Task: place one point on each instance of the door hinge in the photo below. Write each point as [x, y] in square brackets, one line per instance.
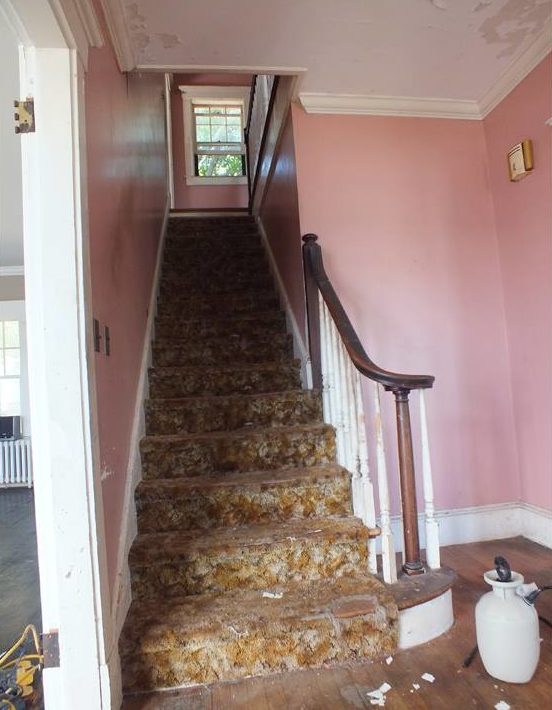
[24, 116]
[50, 649]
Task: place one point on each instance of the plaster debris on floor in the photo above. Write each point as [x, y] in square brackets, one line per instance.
[427, 676]
[273, 595]
[501, 705]
[416, 686]
[377, 697]
[389, 660]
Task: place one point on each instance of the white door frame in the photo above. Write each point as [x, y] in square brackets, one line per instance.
[54, 38]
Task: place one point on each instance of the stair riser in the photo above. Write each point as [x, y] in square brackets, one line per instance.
[187, 384]
[227, 506]
[180, 268]
[276, 647]
[232, 305]
[261, 566]
[239, 352]
[196, 283]
[265, 451]
[204, 415]
[232, 327]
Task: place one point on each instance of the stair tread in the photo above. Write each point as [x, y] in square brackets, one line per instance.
[232, 367]
[243, 433]
[280, 394]
[159, 623]
[262, 316]
[257, 478]
[157, 547]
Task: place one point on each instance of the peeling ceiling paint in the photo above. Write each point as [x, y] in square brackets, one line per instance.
[453, 49]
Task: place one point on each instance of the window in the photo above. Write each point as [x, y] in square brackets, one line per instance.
[10, 368]
[213, 134]
[218, 137]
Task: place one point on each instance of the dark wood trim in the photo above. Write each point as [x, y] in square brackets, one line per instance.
[412, 562]
[246, 133]
[314, 267]
[266, 126]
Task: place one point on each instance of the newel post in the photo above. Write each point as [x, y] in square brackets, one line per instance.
[313, 312]
[412, 562]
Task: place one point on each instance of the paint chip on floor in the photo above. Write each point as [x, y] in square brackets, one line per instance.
[273, 595]
[502, 706]
[416, 686]
[427, 676]
[389, 660]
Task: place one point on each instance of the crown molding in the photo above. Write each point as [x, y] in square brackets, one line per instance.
[517, 70]
[90, 23]
[371, 105]
[12, 271]
[118, 32]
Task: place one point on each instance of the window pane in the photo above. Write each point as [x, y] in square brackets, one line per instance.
[234, 120]
[218, 120]
[2, 373]
[218, 110]
[201, 109]
[234, 110]
[234, 133]
[220, 166]
[203, 134]
[9, 397]
[11, 334]
[1, 334]
[11, 361]
[202, 120]
[218, 133]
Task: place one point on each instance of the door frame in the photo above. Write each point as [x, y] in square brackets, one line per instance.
[54, 38]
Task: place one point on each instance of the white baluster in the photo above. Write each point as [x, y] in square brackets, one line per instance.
[389, 562]
[353, 463]
[336, 393]
[433, 553]
[324, 362]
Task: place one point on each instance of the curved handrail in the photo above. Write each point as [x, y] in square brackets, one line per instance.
[314, 268]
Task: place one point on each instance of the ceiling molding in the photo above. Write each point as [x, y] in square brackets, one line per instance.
[371, 105]
[517, 70]
[90, 22]
[220, 69]
[118, 32]
[12, 271]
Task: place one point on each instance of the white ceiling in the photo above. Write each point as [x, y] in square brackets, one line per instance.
[446, 49]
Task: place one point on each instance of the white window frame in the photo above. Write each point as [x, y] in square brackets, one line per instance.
[15, 311]
[208, 94]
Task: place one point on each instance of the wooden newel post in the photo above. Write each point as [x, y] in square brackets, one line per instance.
[412, 562]
[313, 313]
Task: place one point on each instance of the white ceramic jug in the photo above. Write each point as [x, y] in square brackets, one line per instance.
[507, 631]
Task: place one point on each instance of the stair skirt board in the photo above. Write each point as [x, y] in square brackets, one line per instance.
[247, 559]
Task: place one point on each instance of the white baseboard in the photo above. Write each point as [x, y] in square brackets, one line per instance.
[459, 526]
[299, 348]
[122, 596]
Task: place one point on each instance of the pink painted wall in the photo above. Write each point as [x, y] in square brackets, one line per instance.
[403, 210]
[127, 196]
[198, 196]
[280, 217]
[523, 214]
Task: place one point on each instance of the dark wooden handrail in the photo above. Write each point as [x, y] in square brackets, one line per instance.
[316, 280]
[314, 269]
[247, 127]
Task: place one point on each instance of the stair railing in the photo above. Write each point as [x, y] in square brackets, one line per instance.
[261, 101]
[337, 360]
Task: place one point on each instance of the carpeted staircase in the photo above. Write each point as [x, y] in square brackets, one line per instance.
[248, 559]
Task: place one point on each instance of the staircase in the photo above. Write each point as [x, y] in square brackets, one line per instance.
[248, 559]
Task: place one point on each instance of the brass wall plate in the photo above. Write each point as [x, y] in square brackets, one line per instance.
[24, 116]
[520, 160]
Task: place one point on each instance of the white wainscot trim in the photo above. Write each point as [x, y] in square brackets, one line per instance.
[299, 348]
[459, 526]
[122, 592]
[424, 622]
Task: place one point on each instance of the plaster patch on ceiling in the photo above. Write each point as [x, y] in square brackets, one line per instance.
[514, 23]
[137, 27]
[439, 4]
[168, 41]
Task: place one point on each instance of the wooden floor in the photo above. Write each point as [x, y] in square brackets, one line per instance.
[454, 688]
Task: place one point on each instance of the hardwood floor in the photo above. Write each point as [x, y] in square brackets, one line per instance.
[454, 688]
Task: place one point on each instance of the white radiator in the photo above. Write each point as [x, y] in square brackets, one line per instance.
[16, 466]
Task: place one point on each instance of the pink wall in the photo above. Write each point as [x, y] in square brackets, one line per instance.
[280, 217]
[127, 195]
[403, 210]
[198, 196]
[523, 214]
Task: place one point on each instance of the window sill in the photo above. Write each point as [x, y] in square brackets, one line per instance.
[216, 181]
